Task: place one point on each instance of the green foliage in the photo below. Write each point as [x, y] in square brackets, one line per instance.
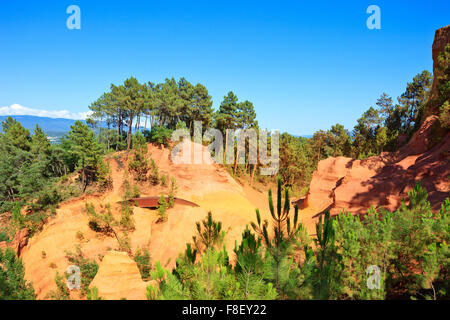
[124, 242]
[101, 221]
[104, 178]
[18, 135]
[160, 135]
[443, 87]
[130, 190]
[250, 264]
[162, 207]
[172, 192]
[409, 246]
[29, 165]
[296, 161]
[83, 151]
[62, 291]
[139, 163]
[92, 294]
[163, 180]
[142, 258]
[104, 222]
[378, 129]
[362, 243]
[421, 247]
[209, 234]
[12, 283]
[126, 217]
[47, 198]
[413, 100]
[279, 247]
[328, 260]
[88, 268]
[154, 177]
[444, 114]
[4, 236]
[17, 218]
[181, 125]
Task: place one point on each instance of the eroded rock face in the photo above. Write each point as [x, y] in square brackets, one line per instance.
[208, 185]
[118, 277]
[441, 38]
[19, 242]
[383, 181]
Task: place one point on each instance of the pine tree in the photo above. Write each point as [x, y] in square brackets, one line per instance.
[84, 150]
[285, 233]
[13, 286]
[139, 163]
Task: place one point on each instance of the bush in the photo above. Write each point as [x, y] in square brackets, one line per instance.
[126, 219]
[130, 191]
[88, 268]
[172, 192]
[49, 197]
[142, 259]
[104, 178]
[92, 294]
[139, 163]
[162, 208]
[4, 237]
[160, 135]
[62, 291]
[163, 181]
[154, 177]
[12, 283]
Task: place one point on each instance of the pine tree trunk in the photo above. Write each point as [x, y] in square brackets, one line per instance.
[253, 174]
[130, 125]
[235, 161]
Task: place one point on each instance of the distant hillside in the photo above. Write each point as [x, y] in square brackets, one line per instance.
[55, 128]
[47, 124]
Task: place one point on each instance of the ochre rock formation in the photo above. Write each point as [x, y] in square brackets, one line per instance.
[208, 185]
[384, 180]
[441, 38]
[118, 277]
[18, 243]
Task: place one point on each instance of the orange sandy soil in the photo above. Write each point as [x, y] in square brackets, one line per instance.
[208, 185]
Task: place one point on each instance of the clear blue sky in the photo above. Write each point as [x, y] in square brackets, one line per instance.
[304, 64]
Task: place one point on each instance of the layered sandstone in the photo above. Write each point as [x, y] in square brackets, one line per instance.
[383, 181]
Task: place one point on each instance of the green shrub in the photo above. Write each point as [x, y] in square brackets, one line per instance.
[154, 177]
[162, 208]
[172, 192]
[142, 258]
[139, 163]
[158, 134]
[126, 219]
[13, 286]
[62, 291]
[92, 294]
[163, 181]
[104, 178]
[4, 237]
[88, 268]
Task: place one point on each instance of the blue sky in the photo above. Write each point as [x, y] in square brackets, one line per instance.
[304, 64]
